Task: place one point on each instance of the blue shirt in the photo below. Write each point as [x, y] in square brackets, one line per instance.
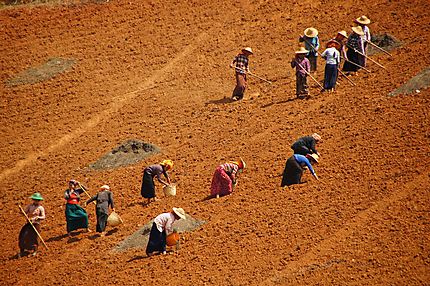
[312, 44]
[302, 159]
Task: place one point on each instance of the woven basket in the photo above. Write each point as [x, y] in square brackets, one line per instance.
[114, 219]
[170, 190]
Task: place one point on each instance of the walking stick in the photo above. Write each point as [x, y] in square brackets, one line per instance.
[360, 53]
[38, 234]
[379, 48]
[308, 74]
[356, 65]
[310, 44]
[85, 191]
[268, 81]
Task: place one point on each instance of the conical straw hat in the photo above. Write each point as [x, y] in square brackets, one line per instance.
[311, 32]
[302, 50]
[358, 30]
[248, 49]
[363, 20]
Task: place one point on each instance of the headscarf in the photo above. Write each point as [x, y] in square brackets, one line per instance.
[167, 163]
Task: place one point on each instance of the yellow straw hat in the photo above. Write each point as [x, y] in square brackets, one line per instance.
[248, 49]
[362, 20]
[315, 157]
[343, 33]
[302, 50]
[180, 212]
[358, 30]
[167, 163]
[311, 32]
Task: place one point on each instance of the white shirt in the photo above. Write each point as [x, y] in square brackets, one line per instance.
[165, 222]
[366, 36]
[332, 56]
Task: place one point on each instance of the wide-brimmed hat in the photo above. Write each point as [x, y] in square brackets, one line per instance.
[302, 50]
[314, 157]
[37, 197]
[333, 42]
[316, 136]
[343, 33]
[311, 32]
[362, 20]
[180, 212]
[105, 187]
[167, 163]
[358, 30]
[248, 49]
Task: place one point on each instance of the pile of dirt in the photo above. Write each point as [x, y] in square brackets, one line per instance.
[139, 239]
[385, 41]
[47, 70]
[128, 153]
[415, 84]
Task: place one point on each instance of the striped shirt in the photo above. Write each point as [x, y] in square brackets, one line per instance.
[230, 168]
[242, 62]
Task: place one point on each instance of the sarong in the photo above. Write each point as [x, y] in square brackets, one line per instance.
[76, 217]
[352, 57]
[221, 183]
[157, 240]
[292, 173]
[148, 188]
[330, 76]
[28, 239]
[240, 88]
[301, 85]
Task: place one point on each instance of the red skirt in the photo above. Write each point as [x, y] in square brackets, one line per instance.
[221, 183]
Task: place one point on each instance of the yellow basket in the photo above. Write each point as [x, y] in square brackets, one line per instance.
[170, 190]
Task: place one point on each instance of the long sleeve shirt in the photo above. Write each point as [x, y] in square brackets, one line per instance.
[312, 45]
[366, 36]
[164, 222]
[242, 63]
[303, 160]
[308, 142]
[104, 199]
[302, 66]
[332, 56]
[355, 42]
[156, 171]
[35, 213]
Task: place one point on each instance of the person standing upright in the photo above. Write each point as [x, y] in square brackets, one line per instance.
[355, 49]
[302, 65]
[363, 21]
[241, 65]
[312, 44]
[76, 216]
[332, 57]
[103, 199]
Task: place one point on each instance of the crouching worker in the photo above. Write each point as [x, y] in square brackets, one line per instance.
[306, 145]
[28, 239]
[225, 178]
[295, 167]
[161, 227]
[103, 199]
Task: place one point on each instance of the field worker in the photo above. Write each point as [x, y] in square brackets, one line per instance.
[225, 178]
[76, 216]
[355, 46]
[28, 239]
[363, 21]
[241, 65]
[306, 145]
[148, 187]
[103, 199]
[302, 65]
[312, 44]
[161, 228]
[332, 57]
[342, 38]
[295, 167]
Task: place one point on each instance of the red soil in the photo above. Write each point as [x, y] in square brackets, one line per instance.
[158, 71]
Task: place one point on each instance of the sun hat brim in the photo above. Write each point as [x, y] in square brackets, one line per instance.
[180, 213]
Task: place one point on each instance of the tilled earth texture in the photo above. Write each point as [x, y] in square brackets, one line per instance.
[78, 79]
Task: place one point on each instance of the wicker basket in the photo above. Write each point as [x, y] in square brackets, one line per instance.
[170, 190]
[114, 219]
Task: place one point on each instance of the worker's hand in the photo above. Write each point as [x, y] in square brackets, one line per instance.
[33, 219]
[231, 65]
[316, 177]
[113, 210]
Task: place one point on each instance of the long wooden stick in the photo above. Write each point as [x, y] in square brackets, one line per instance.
[263, 79]
[309, 74]
[85, 191]
[379, 48]
[360, 53]
[38, 234]
[338, 69]
[357, 65]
